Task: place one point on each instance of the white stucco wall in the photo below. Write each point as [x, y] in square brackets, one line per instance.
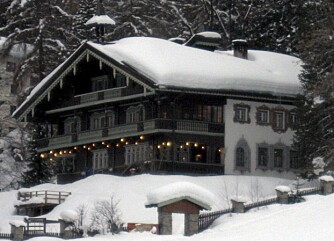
[253, 134]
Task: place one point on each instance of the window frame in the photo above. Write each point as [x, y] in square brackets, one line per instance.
[238, 116]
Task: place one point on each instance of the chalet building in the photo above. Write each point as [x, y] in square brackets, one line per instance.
[159, 106]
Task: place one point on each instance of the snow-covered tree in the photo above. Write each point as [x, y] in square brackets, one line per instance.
[86, 10]
[46, 27]
[39, 168]
[315, 133]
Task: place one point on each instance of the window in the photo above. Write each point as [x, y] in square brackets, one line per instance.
[292, 119]
[100, 159]
[102, 119]
[72, 125]
[279, 120]
[217, 114]
[136, 153]
[10, 67]
[294, 164]
[241, 113]
[240, 157]
[120, 80]
[278, 158]
[182, 154]
[263, 156]
[100, 83]
[263, 116]
[135, 114]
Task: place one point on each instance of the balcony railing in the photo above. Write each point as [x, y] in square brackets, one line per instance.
[184, 126]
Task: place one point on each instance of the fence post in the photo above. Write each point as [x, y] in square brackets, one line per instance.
[17, 230]
[66, 230]
[282, 194]
[326, 184]
[238, 206]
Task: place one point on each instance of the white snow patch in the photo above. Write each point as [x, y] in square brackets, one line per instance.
[209, 34]
[326, 178]
[283, 188]
[101, 19]
[69, 215]
[17, 223]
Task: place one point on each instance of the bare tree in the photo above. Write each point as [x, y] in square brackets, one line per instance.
[255, 190]
[106, 215]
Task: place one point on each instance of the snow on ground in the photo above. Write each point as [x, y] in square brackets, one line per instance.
[308, 221]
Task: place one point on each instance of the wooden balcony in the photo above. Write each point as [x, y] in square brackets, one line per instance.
[133, 129]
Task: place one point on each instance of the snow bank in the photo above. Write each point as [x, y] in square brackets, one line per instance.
[180, 190]
[326, 178]
[283, 188]
[33, 200]
[69, 215]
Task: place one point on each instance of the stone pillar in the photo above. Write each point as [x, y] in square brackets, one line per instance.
[326, 187]
[282, 197]
[165, 222]
[190, 224]
[65, 229]
[17, 232]
[238, 206]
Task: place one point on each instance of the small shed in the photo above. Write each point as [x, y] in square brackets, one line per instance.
[181, 197]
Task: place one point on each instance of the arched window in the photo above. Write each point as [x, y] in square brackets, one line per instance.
[240, 157]
[135, 114]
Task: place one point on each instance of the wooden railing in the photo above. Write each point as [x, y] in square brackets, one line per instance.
[149, 125]
[54, 197]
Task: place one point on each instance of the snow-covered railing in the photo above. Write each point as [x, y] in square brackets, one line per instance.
[206, 219]
[260, 203]
[30, 197]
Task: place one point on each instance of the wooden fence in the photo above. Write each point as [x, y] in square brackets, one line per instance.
[6, 236]
[206, 219]
[56, 197]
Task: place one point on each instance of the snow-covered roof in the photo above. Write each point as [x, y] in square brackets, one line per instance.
[99, 20]
[18, 50]
[174, 65]
[169, 65]
[69, 215]
[178, 191]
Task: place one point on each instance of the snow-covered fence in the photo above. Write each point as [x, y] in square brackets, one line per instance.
[260, 203]
[206, 219]
[6, 236]
[48, 196]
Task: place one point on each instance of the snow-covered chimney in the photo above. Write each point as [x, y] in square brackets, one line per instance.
[240, 48]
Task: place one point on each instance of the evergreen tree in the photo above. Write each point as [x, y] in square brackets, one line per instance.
[86, 10]
[39, 169]
[315, 134]
[46, 28]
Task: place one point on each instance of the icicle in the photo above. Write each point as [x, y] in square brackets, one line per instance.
[144, 91]
[25, 118]
[61, 83]
[127, 80]
[33, 112]
[74, 70]
[114, 73]
[49, 96]
[100, 64]
[87, 57]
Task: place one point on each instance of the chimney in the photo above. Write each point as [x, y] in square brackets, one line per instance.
[240, 48]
